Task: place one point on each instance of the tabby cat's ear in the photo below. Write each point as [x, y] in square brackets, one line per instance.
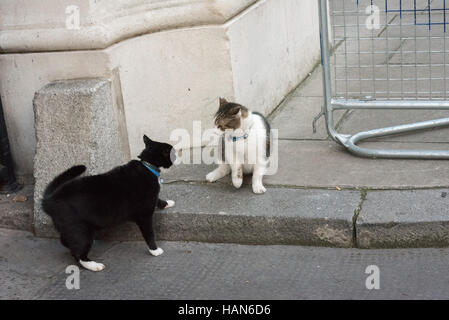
[223, 101]
[235, 111]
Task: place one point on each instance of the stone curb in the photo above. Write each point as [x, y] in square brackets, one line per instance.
[406, 218]
[220, 213]
[315, 217]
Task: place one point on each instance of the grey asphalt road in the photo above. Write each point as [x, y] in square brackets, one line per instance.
[34, 268]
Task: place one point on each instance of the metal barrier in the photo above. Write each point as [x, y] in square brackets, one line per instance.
[387, 54]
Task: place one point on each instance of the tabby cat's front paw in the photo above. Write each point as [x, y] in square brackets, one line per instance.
[259, 188]
[237, 182]
[212, 176]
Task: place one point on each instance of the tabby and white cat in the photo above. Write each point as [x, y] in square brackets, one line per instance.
[244, 145]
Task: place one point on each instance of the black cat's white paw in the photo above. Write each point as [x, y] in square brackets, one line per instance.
[156, 252]
[92, 265]
[170, 203]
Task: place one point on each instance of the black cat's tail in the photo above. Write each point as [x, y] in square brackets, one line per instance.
[64, 177]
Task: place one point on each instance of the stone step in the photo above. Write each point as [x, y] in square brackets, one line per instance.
[220, 213]
[318, 217]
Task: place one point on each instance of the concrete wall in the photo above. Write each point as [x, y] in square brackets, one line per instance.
[170, 79]
[273, 46]
[252, 51]
[40, 25]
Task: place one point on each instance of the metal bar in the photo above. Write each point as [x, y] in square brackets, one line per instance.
[359, 55]
[402, 51]
[397, 25]
[420, 95]
[340, 12]
[398, 66]
[350, 142]
[444, 54]
[392, 79]
[397, 38]
[389, 104]
[346, 49]
[325, 63]
[416, 54]
[372, 58]
[430, 55]
[382, 52]
[387, 57]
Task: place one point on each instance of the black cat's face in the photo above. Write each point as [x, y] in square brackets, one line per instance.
[157, 153]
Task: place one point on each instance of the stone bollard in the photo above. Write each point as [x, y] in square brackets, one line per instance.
[77, 122]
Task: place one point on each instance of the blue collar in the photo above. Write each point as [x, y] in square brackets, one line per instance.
[234, 139]
[154, 170]
[245, 136]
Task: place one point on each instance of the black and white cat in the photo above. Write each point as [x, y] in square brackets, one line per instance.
[80, 206]
[244, 145]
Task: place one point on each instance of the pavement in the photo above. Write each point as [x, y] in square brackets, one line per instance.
[16, 209]
[35, 268]
[321, 195]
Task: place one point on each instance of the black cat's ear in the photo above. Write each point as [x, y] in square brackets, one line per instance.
[223, 101]
[146, 140]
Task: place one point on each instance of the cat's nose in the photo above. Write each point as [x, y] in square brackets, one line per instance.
[173, 155]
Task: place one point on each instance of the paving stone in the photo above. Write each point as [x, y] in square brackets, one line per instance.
[17, 214]
[408, 218]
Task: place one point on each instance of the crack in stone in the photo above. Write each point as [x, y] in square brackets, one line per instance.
[363, 195]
